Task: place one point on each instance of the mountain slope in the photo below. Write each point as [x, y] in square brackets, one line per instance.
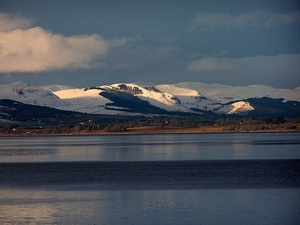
[275, 107]
[118, 98]
[18, 111]
[226, 93]
[188, 98]
[175, 99]
[30, 95]
[83, 100]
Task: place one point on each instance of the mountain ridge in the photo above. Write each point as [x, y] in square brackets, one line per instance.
[185, 98]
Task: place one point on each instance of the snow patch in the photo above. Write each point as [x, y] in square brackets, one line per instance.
[175, 90]
[240, 107]
[226, 93]
[190, 97]
[30, 95]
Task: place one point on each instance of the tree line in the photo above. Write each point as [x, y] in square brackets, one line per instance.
[86, 124]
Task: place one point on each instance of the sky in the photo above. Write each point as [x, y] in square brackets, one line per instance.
[84, 43]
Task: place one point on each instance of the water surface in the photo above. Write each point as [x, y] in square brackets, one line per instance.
[206, 207]
[250, 178]
[151, 147]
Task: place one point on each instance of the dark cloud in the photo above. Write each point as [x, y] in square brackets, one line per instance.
[246, 42]
[210, 21]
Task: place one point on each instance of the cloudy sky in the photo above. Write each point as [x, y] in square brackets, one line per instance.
[93, 42]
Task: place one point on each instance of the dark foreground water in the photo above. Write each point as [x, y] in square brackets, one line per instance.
[151, 179]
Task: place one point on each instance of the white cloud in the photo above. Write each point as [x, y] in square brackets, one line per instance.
[35, 49]
[210, 21]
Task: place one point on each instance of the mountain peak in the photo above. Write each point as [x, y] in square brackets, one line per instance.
[186, 98]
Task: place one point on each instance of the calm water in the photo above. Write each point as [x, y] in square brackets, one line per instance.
[65, 204]
[150, 147]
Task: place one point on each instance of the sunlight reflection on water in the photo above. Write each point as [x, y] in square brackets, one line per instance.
[150, 147]
[65, 204]
[246, 206]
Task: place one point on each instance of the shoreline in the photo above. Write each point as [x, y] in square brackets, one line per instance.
[148, 130]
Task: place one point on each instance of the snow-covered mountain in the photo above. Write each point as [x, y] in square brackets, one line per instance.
[174, 99]
[226, 93]
[56, 87]
[132, 98]
[30, 95]
[86, 100]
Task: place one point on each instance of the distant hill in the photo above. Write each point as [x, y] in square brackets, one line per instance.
[13, 110]
[275, 107]
[129, 99]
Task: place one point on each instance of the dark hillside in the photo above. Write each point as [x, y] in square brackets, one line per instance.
[22, 112]
[274, 107]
